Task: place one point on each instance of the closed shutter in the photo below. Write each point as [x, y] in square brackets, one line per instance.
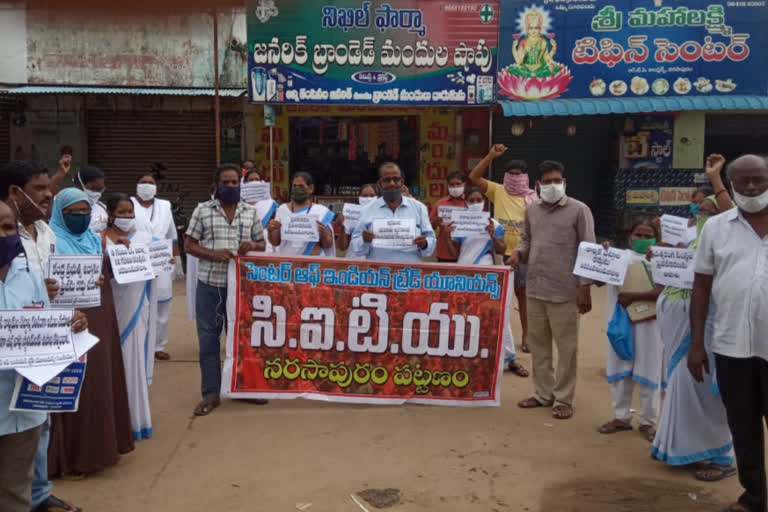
[5, 137]
[125, 143]
[589, 157]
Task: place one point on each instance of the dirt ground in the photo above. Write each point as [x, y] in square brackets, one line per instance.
[311, 456]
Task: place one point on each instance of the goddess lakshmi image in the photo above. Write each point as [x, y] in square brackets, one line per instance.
[535, 74]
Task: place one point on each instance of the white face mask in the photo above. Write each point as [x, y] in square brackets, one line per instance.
[751, 204]
[552, 193]
[475, 207]
[93, 195]
[362, 201]
[456, 191]
[146, 191]
[124, 224]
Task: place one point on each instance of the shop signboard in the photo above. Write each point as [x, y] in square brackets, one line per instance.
[632, 48]
[373, 52]
[647, 142]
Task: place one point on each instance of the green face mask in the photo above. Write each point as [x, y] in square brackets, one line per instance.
[299, 195]
[641, 246]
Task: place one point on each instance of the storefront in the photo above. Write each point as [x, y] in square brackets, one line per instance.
[654, 87]
[408, 81]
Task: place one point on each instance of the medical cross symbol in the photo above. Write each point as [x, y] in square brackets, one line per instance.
[486, 13]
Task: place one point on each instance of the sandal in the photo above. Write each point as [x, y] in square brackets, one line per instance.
[54, 504]
[714, 473]
[648, 432]
[518, 369]
[162, 356]
[562, 412]
[524, 348]
[614, 426]
[531, 403]
[207, 405]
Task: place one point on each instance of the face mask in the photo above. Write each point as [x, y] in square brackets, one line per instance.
[146, 191]
[641, 246]
[694, 208]
[552, 193]
[475, 207]
[228, 195]
[299, 195]
[516, 184]
[93, 195]
[392, 195]
[124, 224]
[10, 247]
[751, 204]
[77, 223]
[456, 191]
[362, 201]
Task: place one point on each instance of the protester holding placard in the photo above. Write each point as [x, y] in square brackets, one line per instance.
[410, 215]
[155, 216]
[554, 228]
[94, 437]
[457, 182]
[302, 190]
[479, 250]
[265, 208]
[21, 448]
[641, 362]
[91, 181]
[368, 193]
[219, 230]
[136, 309]
[509, 201]
[693, 427]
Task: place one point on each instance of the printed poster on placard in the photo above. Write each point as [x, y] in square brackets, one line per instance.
[344, 330]
[373, 52]
[632, 49]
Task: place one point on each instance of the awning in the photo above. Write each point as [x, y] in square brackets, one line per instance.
[595, 106]
[142, 91]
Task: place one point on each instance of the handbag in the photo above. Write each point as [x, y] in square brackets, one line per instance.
[620, 334]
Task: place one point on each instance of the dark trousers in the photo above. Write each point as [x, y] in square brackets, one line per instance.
[211, 312]
[744, 388]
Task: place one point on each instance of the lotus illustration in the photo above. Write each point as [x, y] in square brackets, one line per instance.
[534, 88]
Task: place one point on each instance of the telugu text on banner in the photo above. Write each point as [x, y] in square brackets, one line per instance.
[366, 332]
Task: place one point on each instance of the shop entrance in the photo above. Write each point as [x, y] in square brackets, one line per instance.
[733, 135]
[343, 153]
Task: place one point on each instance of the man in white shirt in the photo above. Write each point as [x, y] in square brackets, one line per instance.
[731, 268]
[155, 216]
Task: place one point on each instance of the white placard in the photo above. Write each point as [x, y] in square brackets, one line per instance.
[673, 267]
[255, 191]
[351, 214]
[444, 212]
[32, 338]
[160, 254]
[130, 264]
[300, 227]
[77, 276]
[675, 230]
[469, 223]
[394, 233]
[594, 262]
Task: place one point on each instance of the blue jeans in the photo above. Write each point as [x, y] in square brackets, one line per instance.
[41, 486]
[211, 312]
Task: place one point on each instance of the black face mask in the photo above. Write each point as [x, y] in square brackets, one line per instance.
[392, 195]
[228, 195]
[10, 247]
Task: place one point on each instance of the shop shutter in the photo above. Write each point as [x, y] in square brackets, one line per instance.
[125, 143]
[5, 137]
[589, 157]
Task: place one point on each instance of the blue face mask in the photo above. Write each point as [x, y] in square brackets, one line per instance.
[228, 195]
[10, 247]
[77, 223]
[694, 208]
